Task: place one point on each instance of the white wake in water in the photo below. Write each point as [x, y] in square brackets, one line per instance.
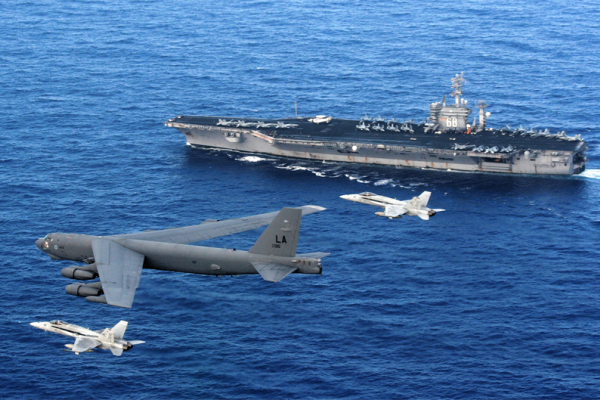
[334, 170]
[251, 159]
[591, 173]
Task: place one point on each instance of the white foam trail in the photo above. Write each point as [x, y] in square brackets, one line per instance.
[251, 159]
[591, 173]
[354, 177]
[383, 182]
[292, 167]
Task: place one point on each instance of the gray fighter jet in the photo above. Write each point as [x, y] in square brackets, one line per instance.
[396, 208]
[87, 340]
[118, 260]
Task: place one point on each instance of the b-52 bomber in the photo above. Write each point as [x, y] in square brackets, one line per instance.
[118, 260]
[396, 208]
[86, 340]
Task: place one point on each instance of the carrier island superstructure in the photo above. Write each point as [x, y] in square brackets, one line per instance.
[446, 141]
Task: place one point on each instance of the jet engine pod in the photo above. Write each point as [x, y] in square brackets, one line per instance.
[82, 290]
[96, 299]
[82, 274]
[431, 213]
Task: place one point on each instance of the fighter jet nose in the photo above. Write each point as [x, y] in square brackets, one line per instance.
[39, 243]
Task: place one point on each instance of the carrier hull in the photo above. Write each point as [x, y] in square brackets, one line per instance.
[204, 132]
[446, 141]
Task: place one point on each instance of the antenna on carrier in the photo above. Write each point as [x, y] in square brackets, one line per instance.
[457, 83]
[482, 105]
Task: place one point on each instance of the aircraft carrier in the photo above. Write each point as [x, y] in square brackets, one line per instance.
[446, 141]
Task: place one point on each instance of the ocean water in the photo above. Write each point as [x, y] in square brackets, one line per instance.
[498, 297]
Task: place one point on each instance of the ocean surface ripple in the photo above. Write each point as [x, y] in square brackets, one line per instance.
[498, 297]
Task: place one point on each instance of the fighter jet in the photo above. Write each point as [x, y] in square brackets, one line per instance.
[378, 127]
[224, 122]
[86, 340]
[396, 208]
[362, 126]
[283, 125]
[118, 260]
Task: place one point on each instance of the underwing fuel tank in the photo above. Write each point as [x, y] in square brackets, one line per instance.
[382, 214]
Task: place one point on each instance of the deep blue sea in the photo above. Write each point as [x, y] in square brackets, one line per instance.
[498, 297]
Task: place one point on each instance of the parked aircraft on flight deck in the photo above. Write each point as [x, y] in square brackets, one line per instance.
[396, 208]
[118, 260]
[86, 340]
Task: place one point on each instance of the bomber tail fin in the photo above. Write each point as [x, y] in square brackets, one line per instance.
[281, 236]
[119, 329]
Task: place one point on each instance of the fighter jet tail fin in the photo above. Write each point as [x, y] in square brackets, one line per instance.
[281, 236]
[119, 329]
[423, 215]
[424, 197]
[117, 351]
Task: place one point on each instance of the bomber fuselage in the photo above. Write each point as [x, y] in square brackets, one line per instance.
[173, 257]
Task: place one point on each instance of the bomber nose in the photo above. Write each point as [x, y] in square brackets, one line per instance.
[39, 243]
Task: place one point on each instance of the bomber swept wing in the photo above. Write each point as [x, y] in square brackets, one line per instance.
[120, 270]
[211, 229]
[118, 260]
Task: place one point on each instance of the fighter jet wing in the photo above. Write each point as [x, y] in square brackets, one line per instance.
[394, 211]
[273, 272]
[210, 230]
[120, 270]
[83, 344]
